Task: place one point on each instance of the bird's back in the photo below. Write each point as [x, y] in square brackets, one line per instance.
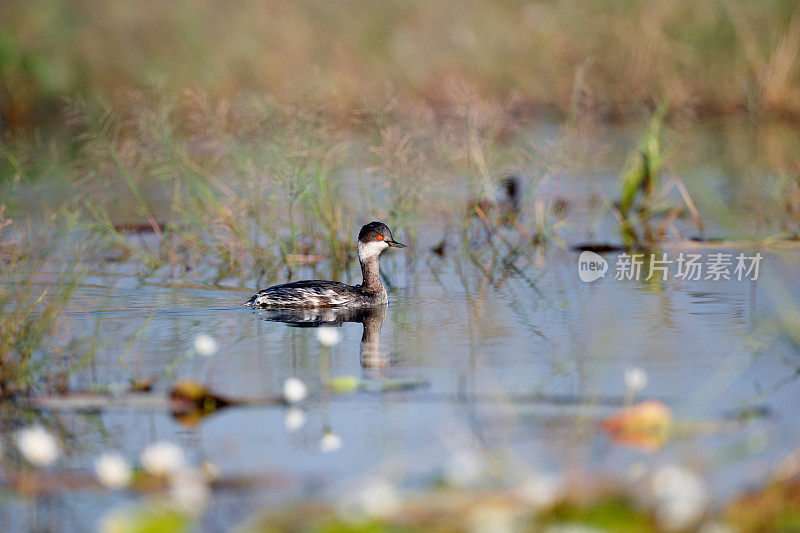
[312, 293]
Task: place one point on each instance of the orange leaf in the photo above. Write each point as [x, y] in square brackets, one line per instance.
[646, 426]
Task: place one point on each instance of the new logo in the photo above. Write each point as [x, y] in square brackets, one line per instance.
[591, 266]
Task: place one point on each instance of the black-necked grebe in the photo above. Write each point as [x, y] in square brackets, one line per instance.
[373, 238]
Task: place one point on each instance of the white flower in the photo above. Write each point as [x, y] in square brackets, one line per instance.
[205, 345]
[491, 518]
[37, 445]
[295, 419]
[635, 379]
[294, 390]
[163, 459]
[680, 497]
[330, 442]
[112, 470]
[189, 490]
[374, 498]
[541, 491]
[328, 336]
[463, 468]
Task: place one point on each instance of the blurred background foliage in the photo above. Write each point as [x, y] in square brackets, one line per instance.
[710, 56]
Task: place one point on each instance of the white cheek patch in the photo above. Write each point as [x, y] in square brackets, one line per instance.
[370, 249]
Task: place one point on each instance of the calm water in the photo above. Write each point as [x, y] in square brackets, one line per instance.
[478, 335]
[541, 330]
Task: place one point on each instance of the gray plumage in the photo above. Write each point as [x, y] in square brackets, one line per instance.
[313, 293]
[372, 240]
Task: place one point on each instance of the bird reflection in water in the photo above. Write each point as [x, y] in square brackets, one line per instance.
[372, 318]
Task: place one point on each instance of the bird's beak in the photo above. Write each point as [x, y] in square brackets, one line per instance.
[395, 244]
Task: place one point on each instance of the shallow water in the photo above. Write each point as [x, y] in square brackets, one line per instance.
[476, 345]
[483, 338]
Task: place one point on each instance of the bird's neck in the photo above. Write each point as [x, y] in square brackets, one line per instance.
[372, 276]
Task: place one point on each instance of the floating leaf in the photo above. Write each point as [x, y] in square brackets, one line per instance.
[191, 401]
[393, 384]
[150, 518]
[345, 384]
[646, 426]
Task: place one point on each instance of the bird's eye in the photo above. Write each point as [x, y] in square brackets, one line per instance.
[379, 237]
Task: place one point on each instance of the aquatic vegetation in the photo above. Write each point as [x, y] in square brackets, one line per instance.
[771, 508]
[733, 57]
[642, 199]
[147, 153]
[782, 200]
[29, 308]
[281, 164]
[666, 499]
[641, 180]
[376, 505]
[647, 425]
[344, 384]
[145, 517]
[190, 402]
[679, 497]
[181, 174]
[177, 491]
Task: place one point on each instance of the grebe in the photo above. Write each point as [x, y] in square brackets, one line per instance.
[373, 238]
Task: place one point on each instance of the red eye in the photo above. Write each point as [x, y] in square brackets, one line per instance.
[379, 237]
